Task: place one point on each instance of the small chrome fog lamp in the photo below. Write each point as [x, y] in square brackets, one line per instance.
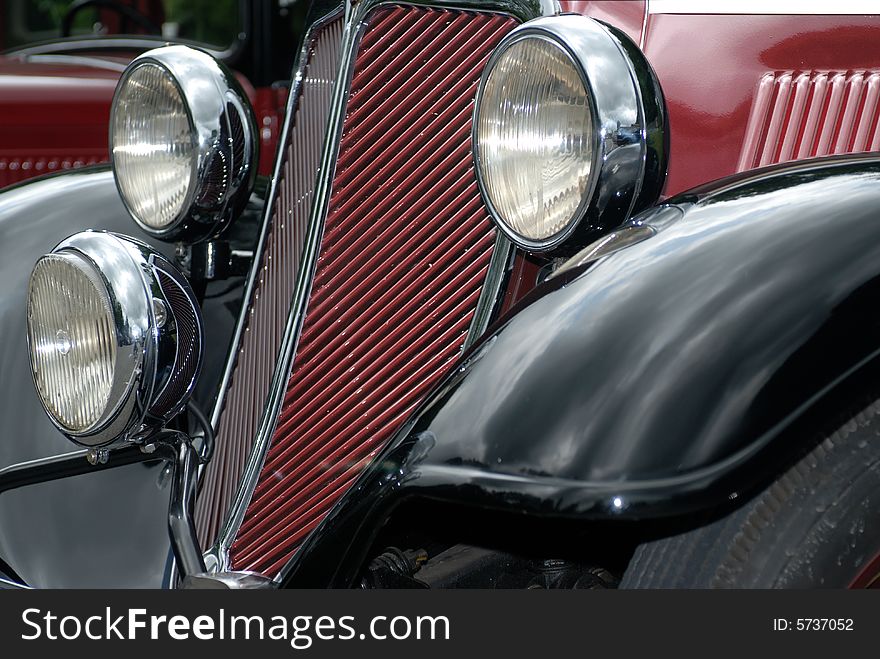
[115, 338]
[568, 132]
[183, 143]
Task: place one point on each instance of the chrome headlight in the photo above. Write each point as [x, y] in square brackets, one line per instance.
[115, 338]
[568, 132]
[182, 143]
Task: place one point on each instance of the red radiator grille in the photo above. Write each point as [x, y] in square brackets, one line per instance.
[403, 258]
[816, 113]
[248, 390]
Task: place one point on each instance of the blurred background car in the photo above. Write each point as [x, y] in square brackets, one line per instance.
[60, 61]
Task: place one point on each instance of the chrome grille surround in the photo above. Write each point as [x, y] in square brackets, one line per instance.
[355, 12]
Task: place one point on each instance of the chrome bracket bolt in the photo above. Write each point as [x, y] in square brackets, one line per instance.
[97, 456]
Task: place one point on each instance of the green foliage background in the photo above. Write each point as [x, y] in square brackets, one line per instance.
[214, 22]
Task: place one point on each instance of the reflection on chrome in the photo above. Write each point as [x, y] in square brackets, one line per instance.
[115, 338]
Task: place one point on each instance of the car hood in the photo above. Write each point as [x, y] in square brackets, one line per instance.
[54, 112]
[57, 78]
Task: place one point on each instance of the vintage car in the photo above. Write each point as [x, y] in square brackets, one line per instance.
[539, 294]
[61, 60]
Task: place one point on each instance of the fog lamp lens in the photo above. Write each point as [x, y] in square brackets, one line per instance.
[72, 338]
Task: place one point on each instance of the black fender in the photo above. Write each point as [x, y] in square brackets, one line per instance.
[103, 529]
[662, 379]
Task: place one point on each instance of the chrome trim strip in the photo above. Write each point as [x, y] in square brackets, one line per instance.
[355, 13]
[767, 7]
[78, 60]
[499, 268]
[6, 584]
[643, 35]
[43, 462]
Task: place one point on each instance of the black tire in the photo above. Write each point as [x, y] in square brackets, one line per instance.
[816, 526]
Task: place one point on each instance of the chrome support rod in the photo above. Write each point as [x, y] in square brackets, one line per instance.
[174, 447]
[181, 508]
[75, 463]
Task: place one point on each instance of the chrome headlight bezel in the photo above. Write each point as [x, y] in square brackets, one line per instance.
[158, 336]
[628, 114]
[224, 137]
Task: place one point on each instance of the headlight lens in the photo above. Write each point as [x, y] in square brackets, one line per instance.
[534, 139]
[73, 342]
[183, 143]
[115, 338]
[154, 151]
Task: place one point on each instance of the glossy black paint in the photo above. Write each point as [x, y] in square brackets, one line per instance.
[178, 455]
[656, 123]
[669, 377]
[103, 529]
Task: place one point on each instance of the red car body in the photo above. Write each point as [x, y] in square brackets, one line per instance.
[53, 116]
[716, 67]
